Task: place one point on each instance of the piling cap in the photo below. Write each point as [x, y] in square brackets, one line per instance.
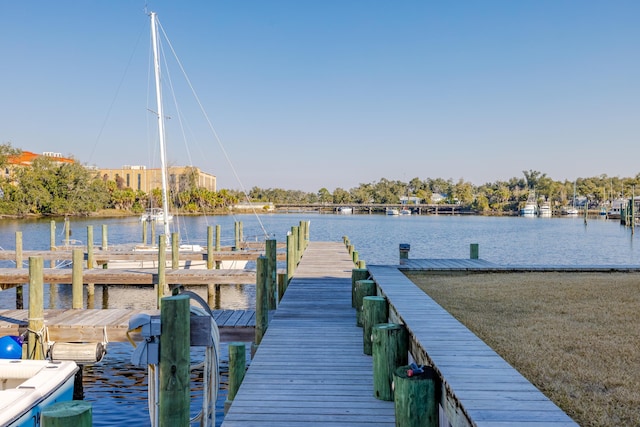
[405, 247]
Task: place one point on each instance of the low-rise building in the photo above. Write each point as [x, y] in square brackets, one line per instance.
[179, 178]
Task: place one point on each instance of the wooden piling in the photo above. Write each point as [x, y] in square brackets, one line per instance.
[357, 274]
[67, 231]
[209, 247]
[375, 310]
[145, 238]
[364, 288]
[415, 397]
[301, 246]
[262, 308]
[271, 272]
[218, 245]
[36, 308]
[361, 264]
[175, 254]
[52, 236]
[291, 262]
[105, 237]
[175, 360]
[474, 251]
[390, 345]
[237, 368]
[76, 413]
[90, 246]
[404, 249]
[356, 257]
[19, 258]
[77, 257]
[282, 285]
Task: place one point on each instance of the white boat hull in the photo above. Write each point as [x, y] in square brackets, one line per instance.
[29, 386]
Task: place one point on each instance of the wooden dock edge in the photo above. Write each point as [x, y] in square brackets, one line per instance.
[474, 390]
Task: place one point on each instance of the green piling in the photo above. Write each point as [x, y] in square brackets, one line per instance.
[390, 349]
[415, 397]
[375, 310]
[175, 360]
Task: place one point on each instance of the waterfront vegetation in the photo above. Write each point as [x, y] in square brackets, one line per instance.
[573, 335]
[49, 188]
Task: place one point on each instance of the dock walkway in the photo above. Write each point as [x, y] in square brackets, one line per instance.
[310, 368]
[75, 325]
[478, 386]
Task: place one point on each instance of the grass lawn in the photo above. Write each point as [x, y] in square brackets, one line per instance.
[575, 336]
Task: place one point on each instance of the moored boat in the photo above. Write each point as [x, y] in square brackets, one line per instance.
[392, 211]
[29, 386]
[545, 210]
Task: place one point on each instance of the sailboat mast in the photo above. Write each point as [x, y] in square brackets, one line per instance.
[161, 132]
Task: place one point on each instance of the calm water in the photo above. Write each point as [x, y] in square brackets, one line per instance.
[118, 390]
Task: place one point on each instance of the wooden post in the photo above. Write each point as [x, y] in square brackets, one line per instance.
[19, 258]
[218, 246]
[355, 256]
[282, 285]
[237, 368]
[474, 251]
[390, 350]
[162, 267]
[76, 278]
[240, 235]
[36, 308]
[89, 246]
[175, 359]
[175, 253]
[364, 288]
[236, 233]
[262, 308]
[209, 247]
[52, 235]
[362, 264]
[415, 397]
[76, 413]
[357, 274]
[145, 239]
[67, 231]
[105, 237]
[375, 310]
[271, 272]
[404, 252]
[153, 231]
[300, 243]
[296, 252]
[291, 263]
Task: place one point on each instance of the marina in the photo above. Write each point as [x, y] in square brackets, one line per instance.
[455, 257]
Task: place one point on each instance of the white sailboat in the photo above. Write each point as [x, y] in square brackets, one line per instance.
[162, 216]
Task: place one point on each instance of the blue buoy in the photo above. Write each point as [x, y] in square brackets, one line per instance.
[10, 347]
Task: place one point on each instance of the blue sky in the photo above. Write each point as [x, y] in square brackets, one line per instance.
[305, 94]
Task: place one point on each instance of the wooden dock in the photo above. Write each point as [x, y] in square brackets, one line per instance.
[79, 325]
[479, 388]
[483, 266]
[133, 276]
[310, 368]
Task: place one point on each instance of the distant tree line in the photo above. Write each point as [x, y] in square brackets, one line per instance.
[50, 188]
[495, 197]
[47, 187]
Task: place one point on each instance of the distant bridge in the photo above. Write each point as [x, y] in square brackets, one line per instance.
[371, 208]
